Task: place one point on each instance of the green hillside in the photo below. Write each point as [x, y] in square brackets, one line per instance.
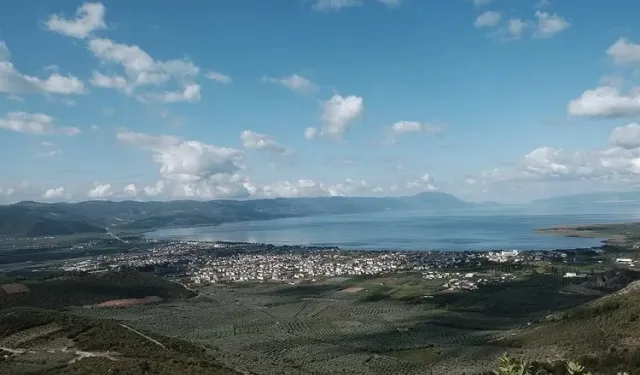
[46, 342]
[78, 289]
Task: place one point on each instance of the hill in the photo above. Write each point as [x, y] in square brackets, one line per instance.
[59, 291]
[35, 341]
[601, 334]
[48, 219]
[17, 221]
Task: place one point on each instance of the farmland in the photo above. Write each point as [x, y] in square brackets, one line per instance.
[332, 326]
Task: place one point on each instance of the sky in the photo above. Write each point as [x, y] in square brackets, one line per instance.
[489, 100]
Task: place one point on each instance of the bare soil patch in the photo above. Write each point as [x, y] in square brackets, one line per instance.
[129, 302]
[353, 289]
[14, 288]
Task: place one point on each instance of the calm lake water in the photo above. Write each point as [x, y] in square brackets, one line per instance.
[476, 229]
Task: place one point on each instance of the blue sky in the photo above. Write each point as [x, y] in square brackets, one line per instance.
[486, 99]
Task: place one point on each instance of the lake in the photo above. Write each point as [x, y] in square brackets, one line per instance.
[473, 229]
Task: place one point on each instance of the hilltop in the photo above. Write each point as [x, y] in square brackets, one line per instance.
[47, 219]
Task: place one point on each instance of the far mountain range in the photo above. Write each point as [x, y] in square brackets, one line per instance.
[33, 219]
[48, 219]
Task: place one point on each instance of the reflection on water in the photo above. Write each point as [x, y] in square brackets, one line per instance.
[464, 230]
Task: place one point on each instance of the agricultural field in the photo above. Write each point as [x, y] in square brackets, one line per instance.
[335, 326]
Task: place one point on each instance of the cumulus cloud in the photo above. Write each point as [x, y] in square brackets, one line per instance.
[401, 128]
[218, 77]
[311, 188]
[627, 137]
[426, 182]
[329, 5]
[607, 102]
[549, 25]
[257, 141]
[338, 113]
[624, 51]
[154, 190]
[190, 93]
[14, 82]
[294, 82]
[54, 193]
[488, 19]
[310, 133]
[89, 18]
[618, 163]
[192, 168]
[544, 25]
[100, 190]
[47, 149]
[130, 190]
[34, 123]
[391, 3]
[111, 82]
[140, 70]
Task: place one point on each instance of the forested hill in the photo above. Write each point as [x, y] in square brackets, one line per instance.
[43, 219]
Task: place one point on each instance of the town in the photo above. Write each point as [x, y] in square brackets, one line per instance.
[215, 262]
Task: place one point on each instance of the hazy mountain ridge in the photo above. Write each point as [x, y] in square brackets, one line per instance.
[608, 197]
[39, 219]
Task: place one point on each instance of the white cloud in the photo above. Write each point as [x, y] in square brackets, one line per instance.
[218, 77]
[15, 83]
[310, 133]
[515, 27]
[154, 190]
[482, 2]
[406, 127]
[335, 5]
[425, 183]
[192, 168]
[257, 141]
[619, 163]
[338, 113]
[48, 149]
[130, 190]
[95, 127]
[111, 82]
[391, 3]
[89, 18]
[310, 188]
[54, 193]
[607, 102]
[550, 24]
[627, 137]
[5, 54]
[190, 93]
[141, 71]
[34, 123]
[100, 191]
[294, 82]
[488, 19]
[624, 51]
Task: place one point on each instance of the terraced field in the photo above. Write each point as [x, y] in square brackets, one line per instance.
[317, 329]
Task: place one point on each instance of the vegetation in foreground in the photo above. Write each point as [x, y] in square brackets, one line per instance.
[514, 366]
[66, 289]
[38, 342]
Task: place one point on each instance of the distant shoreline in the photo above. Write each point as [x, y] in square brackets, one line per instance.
[613, 233]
